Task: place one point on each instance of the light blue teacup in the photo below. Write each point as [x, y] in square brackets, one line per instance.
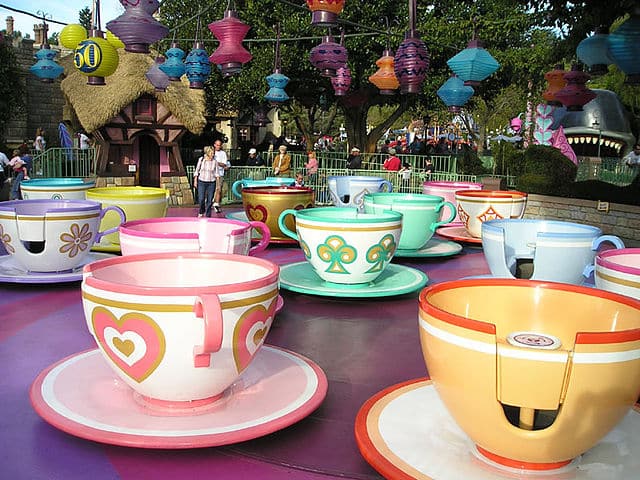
[55, 188]
[420, 214]
[348, 190]
[558, 251]
[238, 185]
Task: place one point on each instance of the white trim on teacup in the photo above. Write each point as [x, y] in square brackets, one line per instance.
[529, 354]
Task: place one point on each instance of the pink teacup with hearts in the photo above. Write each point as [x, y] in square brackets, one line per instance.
[179, 327]
[188, 234]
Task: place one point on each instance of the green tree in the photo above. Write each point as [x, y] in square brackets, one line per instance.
[11, 92]
[84, 18]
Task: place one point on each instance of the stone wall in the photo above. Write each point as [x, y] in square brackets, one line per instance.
[617, 219]
[44, 102]
[180, 193]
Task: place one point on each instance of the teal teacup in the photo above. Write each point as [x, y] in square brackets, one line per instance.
[420, 215]
[238, 185]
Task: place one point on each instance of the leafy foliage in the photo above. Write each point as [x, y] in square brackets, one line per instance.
[546, 171]
[11, 90]
[84, 18]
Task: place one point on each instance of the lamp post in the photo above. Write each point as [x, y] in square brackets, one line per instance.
[596, 124]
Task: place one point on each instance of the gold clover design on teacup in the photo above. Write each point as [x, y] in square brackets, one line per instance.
[337, 252]
[380, 253]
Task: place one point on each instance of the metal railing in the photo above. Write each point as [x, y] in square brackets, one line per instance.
[608, 169]
[64, 162]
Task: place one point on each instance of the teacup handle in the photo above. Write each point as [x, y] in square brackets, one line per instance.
[283, 227]
[388, 186]
[236, 188]
[207, 307]
[123, 219]
[452, 208]
[607, 238]
[266, 236]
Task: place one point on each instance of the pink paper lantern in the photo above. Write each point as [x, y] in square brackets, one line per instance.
[230, 54]
[328, 56]
[342, 81]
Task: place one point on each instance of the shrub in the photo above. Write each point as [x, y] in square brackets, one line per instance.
[545, 171]
[469, 163]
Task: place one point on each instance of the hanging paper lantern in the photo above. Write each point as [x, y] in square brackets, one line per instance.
[46, 69]
[156, 76]
[197, 66]
[325, 12]
[136, 27]
[454, 93]
[575, 94]
[473, 64]
[624, 48]
[113, 40]
[593, 51]
[555, 83]
[328, 56]
[385, 78]
[174, 65]
[342, 81]
[72, 35]
[411, 63]
[96, 58]
[276, 94]
[230, 54]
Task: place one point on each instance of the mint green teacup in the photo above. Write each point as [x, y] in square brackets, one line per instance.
[420, 215]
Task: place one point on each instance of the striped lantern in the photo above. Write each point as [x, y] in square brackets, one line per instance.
[230, 54]
[174, 65]
[72, 35]
[385, 78]
[575, 94]
[197, 66]
[411, 63]
[342, 81]
[156, 76]
[46, 69]
[473, 64]
[276, 94]
[136, 27]
[324, 13]
[555, 83]
[593, 51]
[96, 58]
[624, 48]
[455, 93]
[328, 56]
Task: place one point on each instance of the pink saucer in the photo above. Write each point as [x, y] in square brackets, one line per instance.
[457, 233]
[405, 432]
[279, 303]
[82, 396]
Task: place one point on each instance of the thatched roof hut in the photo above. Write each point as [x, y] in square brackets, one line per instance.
[97, 105]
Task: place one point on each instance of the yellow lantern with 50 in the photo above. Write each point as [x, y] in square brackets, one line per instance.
[96, 57]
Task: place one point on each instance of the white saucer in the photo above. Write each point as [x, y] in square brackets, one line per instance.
[405, 432]
[434, 248]
[82, 395]
[11, 272]
[394, 280]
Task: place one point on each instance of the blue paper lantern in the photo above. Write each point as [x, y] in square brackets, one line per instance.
[46, 69]
[593, 51]
[197, 66]
[174, 65]
[276, 94]
[454, 93]
[624, 48]
[473, 64]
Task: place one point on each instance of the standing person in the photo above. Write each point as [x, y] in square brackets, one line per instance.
[205, 178]
[4, 162]
[254, 159]
[354, 161]
[392, 163]
[632, 159]
[40, 144]
[19, 167]
[222, 164]
[312, 167]
[282, 162]
[84, 140]
[405, 175]
[428, 168]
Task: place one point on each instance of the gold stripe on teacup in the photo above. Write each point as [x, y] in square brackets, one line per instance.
[618, 280]
[40, 218]
[349, 228]
[493, 199]
[173, 308]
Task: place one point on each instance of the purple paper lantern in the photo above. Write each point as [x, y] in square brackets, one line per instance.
[230, 54]
[156, 76]
[136, 28]
[575, 94]
[342, 81]
[328, 56]
[411, 63]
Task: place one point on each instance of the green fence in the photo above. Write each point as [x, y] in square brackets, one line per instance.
[64, 162]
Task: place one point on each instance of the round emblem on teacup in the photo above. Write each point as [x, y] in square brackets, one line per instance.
[534, 340]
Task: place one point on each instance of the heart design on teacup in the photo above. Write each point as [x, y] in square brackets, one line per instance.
[257, 213]
[250, 332]
[134, 342]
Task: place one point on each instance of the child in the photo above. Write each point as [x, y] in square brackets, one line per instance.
[19, 167]
[299, 180]
[405, 175]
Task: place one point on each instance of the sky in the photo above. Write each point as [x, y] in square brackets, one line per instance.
[60, 10]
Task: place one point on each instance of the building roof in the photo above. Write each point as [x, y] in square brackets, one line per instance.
[95, 105]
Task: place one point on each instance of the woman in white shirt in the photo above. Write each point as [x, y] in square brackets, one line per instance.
[205, 178]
